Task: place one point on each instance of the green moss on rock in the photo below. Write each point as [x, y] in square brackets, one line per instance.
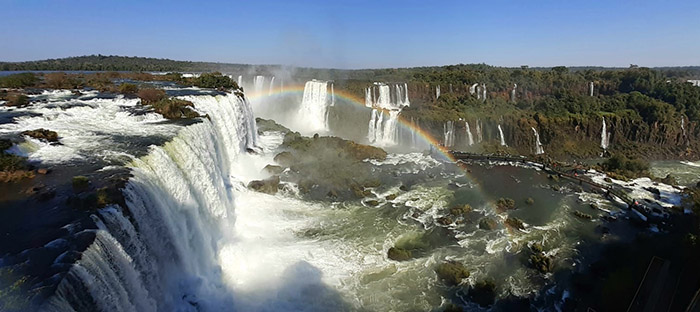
[452, 273]
[399, 254]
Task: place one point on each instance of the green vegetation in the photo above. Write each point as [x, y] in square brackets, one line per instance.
[170, 108]
[215, 81]
[12, 167]
[515, 223]
[17, 81]
[623, 167]
[128, 88]
[80, 183]
[503, 204]
[15, 99]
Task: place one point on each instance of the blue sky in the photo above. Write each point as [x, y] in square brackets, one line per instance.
[359, 34]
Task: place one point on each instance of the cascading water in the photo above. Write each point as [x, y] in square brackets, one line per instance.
[470, 138]
[437, 92]
[590, 88]
[604, 136]
[313, 113]
[240, 81]
[538, 145]
[181, 201]
[512, 92]
[483, 92]
[500, 136]
[479, 133]
[258, 84]
[272, 83]
[472, 88]
[384, 118]
[448, 133]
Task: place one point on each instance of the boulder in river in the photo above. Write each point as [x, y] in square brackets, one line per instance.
[399, 254]
[269, 185]
[452, 272]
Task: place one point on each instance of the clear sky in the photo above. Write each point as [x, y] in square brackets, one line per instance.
[358, 34]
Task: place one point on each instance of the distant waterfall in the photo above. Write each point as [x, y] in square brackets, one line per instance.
[240, 81]
[604, 136]
[538, 144]
[332, 95]
[512, 92]
[181, 201]
[384, 119]
[483, 92]
[683, 126]
[314, 106]
[414, 134]
[258, 84]
[479, 133]
[590, 88]
[500, 136]
[272, 83]
[472, 89]
[448, 129]
[437, 92]
[470, 138]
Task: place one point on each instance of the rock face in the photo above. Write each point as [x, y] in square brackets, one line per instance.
[488, 224]
[483, 293]
[269, 186]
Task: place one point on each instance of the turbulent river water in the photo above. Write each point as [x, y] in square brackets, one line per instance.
[193, 237]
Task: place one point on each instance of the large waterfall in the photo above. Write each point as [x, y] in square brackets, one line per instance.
[604, 136]
[500, 136]
[384, 118]
[181, 201]
[313, 113]
[449, 133]
[258, 84]
[437, 92]
[538, 144]
[470, 138]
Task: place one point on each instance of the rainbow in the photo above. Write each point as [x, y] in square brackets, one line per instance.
[355, 100]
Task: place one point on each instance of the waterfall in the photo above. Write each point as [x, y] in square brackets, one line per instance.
[332, 95]
[181, 201]
[384, 118]
[437, 92]
[483, 92]
[313, 113]
[448, 133]
[472, 89]
[604, 136]
[512, 92]
[258, 83]
[272, 83]
[240, 81]
[590, 88]
[538, 144]
[470, 138]
[500, 136]
[479, 134]
[414, 138]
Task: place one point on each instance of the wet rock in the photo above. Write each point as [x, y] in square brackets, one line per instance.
[488, 224]
[503, 204]
[530, 201]
[553, 177]
[445, 220]
[332, 194]
[399, 254]
[461, 210]
[515, 223]
[268, 186]
[670, 180]
[541, 262]
[372, 202]
[83, 201]
[80, 183]
[483, 293]
[405, 188]
[453, 308]
[595, 206]
[42, 171]
[273, 169]
[390, 197]
[42, 134]
[536, 247]
[452, 273]
[582, 215]
[284, 158]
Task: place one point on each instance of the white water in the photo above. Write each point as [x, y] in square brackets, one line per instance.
[272, 83]
[258, 85]
[500, 136]
[483, 92]
[472, 88]
[240, 81]
[512, 92]
[470, 138]
[437, 92]
[479, 134]
[313, 113]
[448, 130]
[590, 88]
[604, 136]
[538, 145]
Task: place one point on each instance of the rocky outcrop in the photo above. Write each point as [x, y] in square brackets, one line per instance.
[269, 186]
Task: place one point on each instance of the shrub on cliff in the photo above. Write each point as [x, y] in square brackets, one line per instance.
[215, 81]
[17, 81]
[61, 80]
[151, 95]
[175, 108]
[128, 88]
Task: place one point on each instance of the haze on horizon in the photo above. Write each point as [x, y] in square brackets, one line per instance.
[360, 34]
